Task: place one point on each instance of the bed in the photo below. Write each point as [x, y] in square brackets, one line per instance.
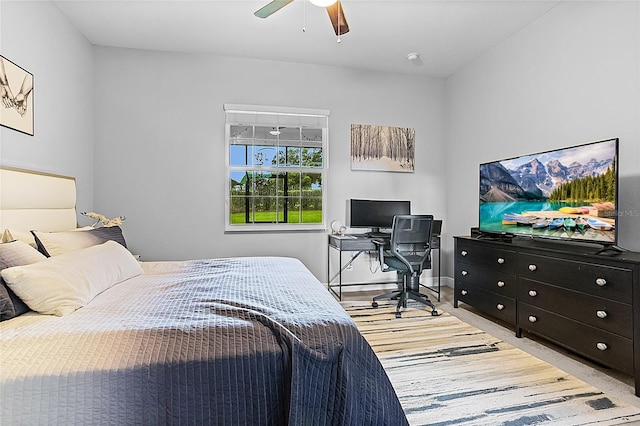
[235, 341]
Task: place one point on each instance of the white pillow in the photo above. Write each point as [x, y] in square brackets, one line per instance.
[59, 285]
[27, 237]
[57, 243]
[15, 234]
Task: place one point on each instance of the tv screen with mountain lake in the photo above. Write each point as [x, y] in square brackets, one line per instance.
[569, 194]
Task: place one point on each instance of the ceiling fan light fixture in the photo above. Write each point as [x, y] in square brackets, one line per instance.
[333, 7]
[322, 3]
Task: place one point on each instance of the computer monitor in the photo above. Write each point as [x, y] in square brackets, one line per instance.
[375, 214]
[436, 228]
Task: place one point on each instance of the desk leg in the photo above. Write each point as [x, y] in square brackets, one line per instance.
[439, 273]
[340, 277]
[430, 287]
[337, 275]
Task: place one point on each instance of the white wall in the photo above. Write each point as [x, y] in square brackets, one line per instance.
[571, 77]
[160, 146]
[37, 37]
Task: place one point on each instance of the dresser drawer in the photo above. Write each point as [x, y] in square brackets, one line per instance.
[495, 305]
[599, 280]
[487, 279]
[607, 348]
[483, 254]
[606, 314]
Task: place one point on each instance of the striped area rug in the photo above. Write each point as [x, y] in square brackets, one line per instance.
[447, 372]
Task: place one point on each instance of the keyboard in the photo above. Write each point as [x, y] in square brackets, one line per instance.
[383, 235]
[376, 235]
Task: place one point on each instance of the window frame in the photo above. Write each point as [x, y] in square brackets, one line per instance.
[272, 116]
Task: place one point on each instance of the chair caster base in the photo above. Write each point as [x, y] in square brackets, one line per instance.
[374, 304]
[435, 313]
[398, 315]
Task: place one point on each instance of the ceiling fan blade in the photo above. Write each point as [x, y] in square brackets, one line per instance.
[271, 8]
[339, 22]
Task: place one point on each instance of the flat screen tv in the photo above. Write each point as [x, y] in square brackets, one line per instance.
[375, 214]
[569, 194]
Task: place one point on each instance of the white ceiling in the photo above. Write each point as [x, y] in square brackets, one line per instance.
[446, 34]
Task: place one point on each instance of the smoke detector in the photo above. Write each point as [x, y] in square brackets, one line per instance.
[413, 56]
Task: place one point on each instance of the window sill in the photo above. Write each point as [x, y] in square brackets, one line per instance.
[274, 228]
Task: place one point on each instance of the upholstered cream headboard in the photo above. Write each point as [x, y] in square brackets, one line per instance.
[33, 200]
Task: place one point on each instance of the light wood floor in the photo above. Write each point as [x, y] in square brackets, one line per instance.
[614, 383]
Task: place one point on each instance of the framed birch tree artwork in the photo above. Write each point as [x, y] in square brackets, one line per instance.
[16, 97]
[382, 148]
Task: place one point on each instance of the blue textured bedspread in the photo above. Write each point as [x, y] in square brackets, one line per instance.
[240, 341]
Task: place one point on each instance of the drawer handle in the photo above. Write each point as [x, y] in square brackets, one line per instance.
[500, 306]
[501, 284]
[464, 253]
[601, 314]
[464, 273]
[601, 282]
[602, 346]
[533, 293]
[532, 318]
[532, 267]
[463, 292]
[500, 260]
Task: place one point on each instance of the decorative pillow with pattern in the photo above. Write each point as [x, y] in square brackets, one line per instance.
[57, 243]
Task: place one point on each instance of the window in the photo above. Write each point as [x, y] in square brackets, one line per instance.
[276, 168]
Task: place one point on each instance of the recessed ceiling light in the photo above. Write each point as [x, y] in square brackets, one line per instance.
[413, 56]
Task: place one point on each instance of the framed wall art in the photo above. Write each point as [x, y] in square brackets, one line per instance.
[16, 97]
[382, 148]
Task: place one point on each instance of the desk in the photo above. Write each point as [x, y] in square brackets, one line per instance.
[360, 244]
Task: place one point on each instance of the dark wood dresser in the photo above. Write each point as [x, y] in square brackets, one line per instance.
[564, 292]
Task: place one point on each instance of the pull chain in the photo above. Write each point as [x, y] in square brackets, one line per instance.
[304, 17]
[339, 7]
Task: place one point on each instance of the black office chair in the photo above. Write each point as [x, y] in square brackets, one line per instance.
[408, 253]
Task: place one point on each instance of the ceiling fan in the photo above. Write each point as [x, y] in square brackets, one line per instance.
[334, 9]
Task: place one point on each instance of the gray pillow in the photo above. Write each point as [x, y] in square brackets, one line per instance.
[7, 310]
[14, 253]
